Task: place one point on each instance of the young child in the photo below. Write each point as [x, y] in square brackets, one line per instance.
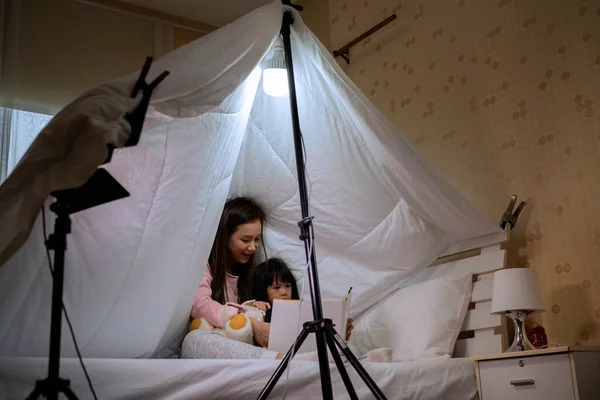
[274, 280]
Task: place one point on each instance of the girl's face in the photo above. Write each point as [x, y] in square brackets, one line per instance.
[279, 290]
[244, 241]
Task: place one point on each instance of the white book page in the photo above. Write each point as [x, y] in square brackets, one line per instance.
[285, 327]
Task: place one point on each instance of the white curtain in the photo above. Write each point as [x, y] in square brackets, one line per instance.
[24, 127]
[9, 39]
[5, 118]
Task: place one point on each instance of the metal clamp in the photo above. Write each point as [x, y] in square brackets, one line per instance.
[509, 217]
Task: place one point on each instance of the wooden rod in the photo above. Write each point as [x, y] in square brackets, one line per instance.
[346, 48]
[143, 12]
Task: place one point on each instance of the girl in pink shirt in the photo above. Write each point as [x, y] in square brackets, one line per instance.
[228, 274]
[228, 278]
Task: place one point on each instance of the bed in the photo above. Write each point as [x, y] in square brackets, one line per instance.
[441, 377]
[212, 379]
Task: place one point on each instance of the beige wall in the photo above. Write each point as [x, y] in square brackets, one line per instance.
[184, 36]
[316, 18]
[67, 47]
[502, 97]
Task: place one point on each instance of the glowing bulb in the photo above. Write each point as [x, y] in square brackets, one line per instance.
[275, 82]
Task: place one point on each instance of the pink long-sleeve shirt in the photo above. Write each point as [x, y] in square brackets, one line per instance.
[205, 307]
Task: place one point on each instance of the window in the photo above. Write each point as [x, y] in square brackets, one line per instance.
[18, 129]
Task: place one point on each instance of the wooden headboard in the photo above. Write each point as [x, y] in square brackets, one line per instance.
[482, 333]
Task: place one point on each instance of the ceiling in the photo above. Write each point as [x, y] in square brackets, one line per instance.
[212, 12]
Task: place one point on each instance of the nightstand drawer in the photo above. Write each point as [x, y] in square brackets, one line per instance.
[544, 377]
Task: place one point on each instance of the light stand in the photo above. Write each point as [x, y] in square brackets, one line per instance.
[326, 334]
[99, 189]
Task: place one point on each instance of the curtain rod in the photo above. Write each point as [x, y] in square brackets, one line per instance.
[344, 51]
[154, 15]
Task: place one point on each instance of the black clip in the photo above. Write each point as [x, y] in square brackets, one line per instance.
[138, 115]
[510, 217]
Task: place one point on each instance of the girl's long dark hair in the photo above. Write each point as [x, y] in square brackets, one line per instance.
[269, 271]
[236, 212]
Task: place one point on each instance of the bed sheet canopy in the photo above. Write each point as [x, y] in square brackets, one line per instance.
[133, 266]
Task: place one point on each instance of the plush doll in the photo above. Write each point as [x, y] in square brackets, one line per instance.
[239, 327]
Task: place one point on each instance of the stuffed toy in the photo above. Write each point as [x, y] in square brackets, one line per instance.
[238, 327]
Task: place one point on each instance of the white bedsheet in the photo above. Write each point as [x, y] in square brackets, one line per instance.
[435, 379]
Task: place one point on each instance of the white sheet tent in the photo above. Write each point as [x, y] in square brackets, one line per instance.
[133, 266]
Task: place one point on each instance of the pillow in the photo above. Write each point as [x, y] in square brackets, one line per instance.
[422, 320]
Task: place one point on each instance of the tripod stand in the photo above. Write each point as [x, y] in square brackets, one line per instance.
[99, 189]
[51, 386]
[323, 329]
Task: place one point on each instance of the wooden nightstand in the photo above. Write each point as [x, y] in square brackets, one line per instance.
[558, 373]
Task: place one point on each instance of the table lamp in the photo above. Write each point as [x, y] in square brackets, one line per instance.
[516, 293]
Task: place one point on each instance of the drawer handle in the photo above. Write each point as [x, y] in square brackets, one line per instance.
[522, 382]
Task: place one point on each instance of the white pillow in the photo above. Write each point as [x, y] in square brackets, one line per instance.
[422, 320]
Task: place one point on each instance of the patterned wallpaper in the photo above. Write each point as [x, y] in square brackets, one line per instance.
[502, 97]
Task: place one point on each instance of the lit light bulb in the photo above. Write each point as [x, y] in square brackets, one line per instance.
[275, 81]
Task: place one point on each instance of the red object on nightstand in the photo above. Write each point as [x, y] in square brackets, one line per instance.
[537, 335]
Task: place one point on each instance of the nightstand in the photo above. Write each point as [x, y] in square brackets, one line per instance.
[558, 373]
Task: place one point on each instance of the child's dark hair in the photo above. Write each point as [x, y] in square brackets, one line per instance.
[267, 272]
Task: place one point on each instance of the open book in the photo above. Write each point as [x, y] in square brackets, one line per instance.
[285, 325]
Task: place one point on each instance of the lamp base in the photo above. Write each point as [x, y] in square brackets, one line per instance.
[521, 342]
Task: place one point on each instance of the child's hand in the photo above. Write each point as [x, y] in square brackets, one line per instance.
[261, 305]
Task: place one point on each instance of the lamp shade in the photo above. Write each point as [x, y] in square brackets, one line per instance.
[515, 289]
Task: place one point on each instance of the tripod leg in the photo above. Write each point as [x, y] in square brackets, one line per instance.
[284, 363]
[326, 387]
[356, 364]
[66, 389]
[37, 392]
[341, 368]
